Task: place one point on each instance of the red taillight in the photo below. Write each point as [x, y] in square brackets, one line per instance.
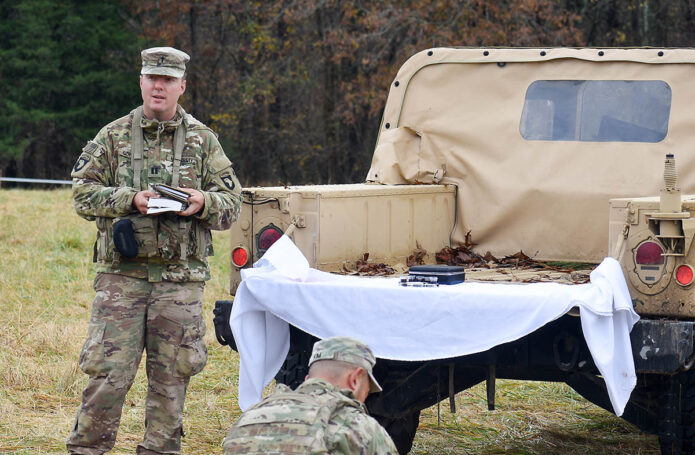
[649, 253]
[240, 256]
[268, 235]
[684, 275]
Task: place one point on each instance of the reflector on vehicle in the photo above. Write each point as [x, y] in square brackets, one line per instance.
[266, 237]
[650, 262]
[240, 256]
[649, 253]
[684, 275]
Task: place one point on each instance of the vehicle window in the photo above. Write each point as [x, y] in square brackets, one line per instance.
[596, 111]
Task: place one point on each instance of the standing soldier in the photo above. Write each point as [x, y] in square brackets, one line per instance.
[151, 269]
[326, 413]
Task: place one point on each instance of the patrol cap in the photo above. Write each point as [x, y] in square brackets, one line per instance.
[165, 61]
[346, 349]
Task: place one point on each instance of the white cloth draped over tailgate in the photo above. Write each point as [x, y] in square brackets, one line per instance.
[415, 323]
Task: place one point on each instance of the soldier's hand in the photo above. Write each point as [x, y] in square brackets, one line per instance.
[196, 202]
[141, 199]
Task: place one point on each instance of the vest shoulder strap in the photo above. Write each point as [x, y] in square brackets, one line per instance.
[179, 143]
[138, 148]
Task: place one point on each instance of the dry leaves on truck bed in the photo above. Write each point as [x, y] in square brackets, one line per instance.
[418, 256]
[517, 267]
[463, 255]
[365, 268]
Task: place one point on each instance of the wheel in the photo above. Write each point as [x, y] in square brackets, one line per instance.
[296, 365]
[294, 369]
[688, 412]
[402, 430]
[677, 415]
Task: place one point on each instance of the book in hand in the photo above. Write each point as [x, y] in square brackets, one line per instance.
[171, 192]
[162, 204]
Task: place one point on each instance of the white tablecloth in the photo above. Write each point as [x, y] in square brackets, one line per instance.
[407, 323]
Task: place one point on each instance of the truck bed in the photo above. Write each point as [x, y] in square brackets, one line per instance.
[517, 268]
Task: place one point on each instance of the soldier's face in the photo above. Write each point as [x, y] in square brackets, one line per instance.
[160, 94]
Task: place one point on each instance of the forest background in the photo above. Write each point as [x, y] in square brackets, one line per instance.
[294, 88]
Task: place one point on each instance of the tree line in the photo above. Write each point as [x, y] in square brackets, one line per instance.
[294, 88]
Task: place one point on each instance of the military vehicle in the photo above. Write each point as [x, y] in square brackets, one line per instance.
[557, 152]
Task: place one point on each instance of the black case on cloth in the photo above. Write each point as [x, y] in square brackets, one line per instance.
[445, 274]
[124, 238]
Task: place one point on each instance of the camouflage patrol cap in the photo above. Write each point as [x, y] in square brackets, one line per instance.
[346, 349]
[165, 61]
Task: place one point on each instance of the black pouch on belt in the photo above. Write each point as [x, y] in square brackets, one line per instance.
[124, 238]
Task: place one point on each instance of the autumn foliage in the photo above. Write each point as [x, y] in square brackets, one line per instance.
[295, 89]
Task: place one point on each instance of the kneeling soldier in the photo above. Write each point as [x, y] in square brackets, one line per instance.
[326, 413]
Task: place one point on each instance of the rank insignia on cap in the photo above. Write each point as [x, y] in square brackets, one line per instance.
[164, 61]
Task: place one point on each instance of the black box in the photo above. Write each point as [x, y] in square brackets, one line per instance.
[445, 274]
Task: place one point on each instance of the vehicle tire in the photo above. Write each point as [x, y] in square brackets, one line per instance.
[677, 416]
[688, 413]
[294, 369]
[402, 430]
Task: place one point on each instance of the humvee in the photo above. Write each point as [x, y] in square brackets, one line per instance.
[557, 152]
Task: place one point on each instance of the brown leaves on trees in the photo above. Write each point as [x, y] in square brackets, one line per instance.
[295, 89]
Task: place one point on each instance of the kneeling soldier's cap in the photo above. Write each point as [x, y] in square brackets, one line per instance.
[346, 349]
[165, 61]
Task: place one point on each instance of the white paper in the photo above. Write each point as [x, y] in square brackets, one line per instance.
[162, 204]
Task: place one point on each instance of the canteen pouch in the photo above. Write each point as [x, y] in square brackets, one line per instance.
[124, 238]
[144, 234]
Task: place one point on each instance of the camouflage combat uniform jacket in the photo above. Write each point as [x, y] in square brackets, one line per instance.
[170, 247]
[283, 423]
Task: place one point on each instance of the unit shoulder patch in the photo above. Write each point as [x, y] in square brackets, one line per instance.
[81, 162]
[228, 181]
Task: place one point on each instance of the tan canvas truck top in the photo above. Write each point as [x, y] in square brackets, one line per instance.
[539, 140]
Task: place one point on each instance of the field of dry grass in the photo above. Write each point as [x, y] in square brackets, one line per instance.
[45, 295]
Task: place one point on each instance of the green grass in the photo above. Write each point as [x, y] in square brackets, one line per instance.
[537, 418]
[45, 295]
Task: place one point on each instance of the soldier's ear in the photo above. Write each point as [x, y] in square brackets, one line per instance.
[354, 378]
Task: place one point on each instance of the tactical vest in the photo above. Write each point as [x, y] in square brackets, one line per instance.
[138, 150]
[285, 422]
[167, 236]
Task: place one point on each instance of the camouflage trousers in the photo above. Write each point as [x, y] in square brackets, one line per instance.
[129, 315]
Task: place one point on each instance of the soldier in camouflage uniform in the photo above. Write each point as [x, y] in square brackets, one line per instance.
[324, 415]
[152, 298]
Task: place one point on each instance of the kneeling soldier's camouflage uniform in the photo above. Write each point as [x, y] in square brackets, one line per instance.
[152, 301]
[316, 418]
